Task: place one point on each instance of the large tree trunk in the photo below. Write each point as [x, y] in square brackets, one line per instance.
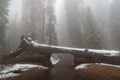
[27, 46]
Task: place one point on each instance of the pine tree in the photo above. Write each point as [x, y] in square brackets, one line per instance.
[115, 24]
[3, 21]
[51, 37]
[38, 20]
[75, 21]
[93, 35]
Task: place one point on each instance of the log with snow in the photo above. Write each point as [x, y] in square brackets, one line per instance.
[84, 66]
[28, 44]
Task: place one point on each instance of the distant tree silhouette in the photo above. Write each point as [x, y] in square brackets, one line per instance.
[3, 21]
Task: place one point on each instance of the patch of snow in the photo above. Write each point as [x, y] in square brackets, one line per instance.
[3, 76]
[110, 65]
[29, 38]
[106, 52]
[84, 66]
[22, 67]
[37, 44]
[8, 70]
[26, 41]
[54, 60]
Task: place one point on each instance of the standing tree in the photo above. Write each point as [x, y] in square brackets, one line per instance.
[38, 20]
[51, 37]
[93, 35]
[75, 18]
[3, 21]
[115, 26]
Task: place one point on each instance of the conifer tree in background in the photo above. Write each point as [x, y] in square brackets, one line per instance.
[75, 21]
[38, 19]
[3, 21]
[115, 24]
[93, 36]
[51, 37]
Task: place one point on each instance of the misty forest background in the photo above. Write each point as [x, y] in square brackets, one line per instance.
[71, 23]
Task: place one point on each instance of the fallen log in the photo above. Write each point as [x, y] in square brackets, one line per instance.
[27, 45]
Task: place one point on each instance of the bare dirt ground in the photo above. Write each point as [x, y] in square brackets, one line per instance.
[92, 72]
[32, 74]
[98, 72]
[60, 72]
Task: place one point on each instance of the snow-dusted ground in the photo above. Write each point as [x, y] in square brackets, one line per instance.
[84, 66]
[8, 70]
[3, 76]
[105, 52]
[54, 59]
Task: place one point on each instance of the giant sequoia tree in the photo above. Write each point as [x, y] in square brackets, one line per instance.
[38, 20]
[51, 37]
[75, 20]
[93, 36]
[3, 21]
[115, 26]
[83, 27]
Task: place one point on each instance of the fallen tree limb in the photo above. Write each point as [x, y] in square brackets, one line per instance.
[27, 45]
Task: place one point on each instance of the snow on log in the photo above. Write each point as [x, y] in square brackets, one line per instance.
[84, 66]
[28, 44]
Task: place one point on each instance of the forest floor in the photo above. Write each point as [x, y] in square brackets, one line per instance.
[67, 72]
[32, 74]
[92, 72]
[99, 72]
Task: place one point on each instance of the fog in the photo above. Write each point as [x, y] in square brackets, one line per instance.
[61, 24]
[83, 26]
[13, 27]
[72, 23]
